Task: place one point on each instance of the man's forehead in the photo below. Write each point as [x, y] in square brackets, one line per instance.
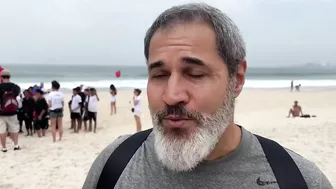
[184, 34]
[185, 48]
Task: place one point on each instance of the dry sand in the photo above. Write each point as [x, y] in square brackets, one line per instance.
[64, 165]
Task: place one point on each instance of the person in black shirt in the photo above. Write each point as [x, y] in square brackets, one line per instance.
[82, 104]
[85, 117]
[28, 104]
[41, 111]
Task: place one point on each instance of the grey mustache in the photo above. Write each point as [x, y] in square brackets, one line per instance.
[177, 110]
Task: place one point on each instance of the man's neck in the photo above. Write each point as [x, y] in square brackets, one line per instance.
[5, 81]
[228, 142]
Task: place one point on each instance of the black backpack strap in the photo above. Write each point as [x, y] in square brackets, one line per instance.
[119, 159]
[285, 170]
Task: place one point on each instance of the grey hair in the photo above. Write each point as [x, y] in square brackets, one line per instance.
[230, 44]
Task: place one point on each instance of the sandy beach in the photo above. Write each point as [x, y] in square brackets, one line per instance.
[64, 165]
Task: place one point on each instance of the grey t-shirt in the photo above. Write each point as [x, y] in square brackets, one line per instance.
[246, 167]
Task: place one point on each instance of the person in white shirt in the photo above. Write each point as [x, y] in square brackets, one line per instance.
[55, 101]
[113, 92]
[92, 102]
[75, 107]
[20, 113]
[137, 108]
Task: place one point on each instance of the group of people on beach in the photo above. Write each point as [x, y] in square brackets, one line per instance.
[83, 108]
[38, 108]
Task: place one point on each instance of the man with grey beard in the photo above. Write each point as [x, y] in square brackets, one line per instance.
[196, 68]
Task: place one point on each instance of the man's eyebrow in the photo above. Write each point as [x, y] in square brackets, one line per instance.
[156, 64]
[194, 61]
[185, 60]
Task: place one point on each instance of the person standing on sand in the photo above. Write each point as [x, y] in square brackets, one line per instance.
[82, 104]
[20, 113]
[92, 109]
[8, 110]
[28, 111]
[137, 108]
[85, 117]
[113, 106]
[56, 105]
[41, 111]
[292, 85]
[75, 107]
[196, 69]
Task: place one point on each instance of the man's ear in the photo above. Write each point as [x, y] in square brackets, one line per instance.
[240, 77]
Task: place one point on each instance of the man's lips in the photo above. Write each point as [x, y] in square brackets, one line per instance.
[174, 122]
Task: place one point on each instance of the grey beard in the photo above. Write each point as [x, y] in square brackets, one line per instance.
[184, 152]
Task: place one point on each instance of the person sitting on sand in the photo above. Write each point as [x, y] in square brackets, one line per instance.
[296, 111]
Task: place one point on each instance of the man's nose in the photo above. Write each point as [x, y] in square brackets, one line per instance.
[175, 92]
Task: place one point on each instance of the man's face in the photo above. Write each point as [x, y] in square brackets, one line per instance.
[190, 94]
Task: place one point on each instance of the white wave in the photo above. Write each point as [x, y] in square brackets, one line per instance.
[142, 83]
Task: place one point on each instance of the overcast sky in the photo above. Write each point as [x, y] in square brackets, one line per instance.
[277, 32]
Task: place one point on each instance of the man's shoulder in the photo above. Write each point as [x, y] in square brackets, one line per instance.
[99, 163]
[102, 158]
[110, 148]
[310, 172]
[6, 85]
[78, 97]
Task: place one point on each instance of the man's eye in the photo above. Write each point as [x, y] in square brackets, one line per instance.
[159, 75]
[196, 75]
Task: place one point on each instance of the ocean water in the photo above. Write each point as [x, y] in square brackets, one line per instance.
[101, 77]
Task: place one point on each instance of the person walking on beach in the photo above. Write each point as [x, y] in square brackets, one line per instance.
[56, 105]
[28, 110]
[113, 92]
[75, 106]
[92, 103]
[196, 69]
[8, 110]
[137, 108]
